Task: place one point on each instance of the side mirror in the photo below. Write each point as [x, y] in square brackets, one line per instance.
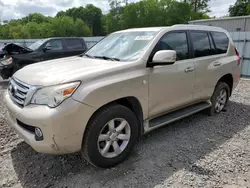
[164, 57]
[47, 48]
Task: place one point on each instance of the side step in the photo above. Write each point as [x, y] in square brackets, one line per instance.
[179, 114]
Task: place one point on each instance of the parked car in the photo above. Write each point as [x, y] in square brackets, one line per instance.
[128, 84]
[1, 52]
[18, 55]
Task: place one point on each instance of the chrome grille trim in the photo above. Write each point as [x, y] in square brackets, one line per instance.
[21, 93]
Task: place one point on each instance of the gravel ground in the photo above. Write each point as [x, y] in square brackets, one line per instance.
[198, 151]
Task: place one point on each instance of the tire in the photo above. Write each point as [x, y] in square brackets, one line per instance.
[105, 122]
[218, 104]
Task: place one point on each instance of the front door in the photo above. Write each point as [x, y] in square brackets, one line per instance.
[171, 86]
[56, 49]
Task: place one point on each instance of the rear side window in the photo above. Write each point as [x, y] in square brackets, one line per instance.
[201, 44]
[74, 44]
[221, 42]
[174, 41]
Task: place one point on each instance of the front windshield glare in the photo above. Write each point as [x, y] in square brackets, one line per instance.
[125, 46]
[36, 45]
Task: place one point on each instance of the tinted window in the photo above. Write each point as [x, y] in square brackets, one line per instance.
[55, 44]
[174, 41]
[74, 44]
[221, 42]
[213, 49]
[201, 44]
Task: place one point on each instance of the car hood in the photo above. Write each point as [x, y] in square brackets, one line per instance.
[64, 70]
[16, 48]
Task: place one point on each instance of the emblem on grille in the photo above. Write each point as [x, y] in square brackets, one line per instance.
[12, 90]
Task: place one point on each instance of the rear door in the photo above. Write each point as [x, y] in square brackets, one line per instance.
[56, 49]
[74, 46]
[208, 57]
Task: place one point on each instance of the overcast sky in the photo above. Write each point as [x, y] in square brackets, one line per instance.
[12, 9]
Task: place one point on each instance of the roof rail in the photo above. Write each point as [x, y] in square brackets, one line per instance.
[196, 26]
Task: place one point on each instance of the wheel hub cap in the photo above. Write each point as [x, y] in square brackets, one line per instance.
[221, 101]
[114, 138]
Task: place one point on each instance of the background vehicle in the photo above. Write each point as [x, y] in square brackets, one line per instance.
[128, 84]
[1, 52]
[18, 55]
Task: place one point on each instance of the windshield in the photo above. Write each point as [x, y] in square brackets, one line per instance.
[125, 46]
[36, 45]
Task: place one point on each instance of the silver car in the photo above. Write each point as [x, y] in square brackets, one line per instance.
[130, 83]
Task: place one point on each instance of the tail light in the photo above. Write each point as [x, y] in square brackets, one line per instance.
[238, 55]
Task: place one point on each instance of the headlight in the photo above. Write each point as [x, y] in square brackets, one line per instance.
[54, 95]
[7, 61]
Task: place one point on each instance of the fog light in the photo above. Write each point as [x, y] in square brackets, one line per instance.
[38, 134]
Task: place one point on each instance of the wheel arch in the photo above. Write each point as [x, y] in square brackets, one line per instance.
[228, 79]
[130, 102]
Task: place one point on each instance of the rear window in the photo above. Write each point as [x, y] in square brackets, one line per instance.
[201, 44]
[221, 42]
[74, 44]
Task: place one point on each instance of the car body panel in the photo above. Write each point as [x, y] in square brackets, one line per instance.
[164, 93]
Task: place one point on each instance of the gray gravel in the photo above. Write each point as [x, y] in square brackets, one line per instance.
[199, 151]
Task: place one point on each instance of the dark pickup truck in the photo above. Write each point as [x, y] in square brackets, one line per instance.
[17, 55]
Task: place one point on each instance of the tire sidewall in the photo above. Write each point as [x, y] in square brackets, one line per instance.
[97, 124]
[220, 86]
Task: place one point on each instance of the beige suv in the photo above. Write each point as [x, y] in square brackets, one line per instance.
[128, 84]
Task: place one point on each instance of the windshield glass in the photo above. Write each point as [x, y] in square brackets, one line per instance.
[36, 45]
[124, 46]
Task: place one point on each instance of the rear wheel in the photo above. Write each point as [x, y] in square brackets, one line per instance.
[110, 136]
[219, 99]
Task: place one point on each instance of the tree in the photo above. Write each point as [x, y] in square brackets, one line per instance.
[198, 5]
[85, 21]
[90, 14]
[35, 17]
[81, 29]
[240, 8]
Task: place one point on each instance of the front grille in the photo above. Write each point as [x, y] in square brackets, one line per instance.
[18, 91]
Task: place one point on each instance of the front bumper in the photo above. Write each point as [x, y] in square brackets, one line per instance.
[6, 71]
[63, 127]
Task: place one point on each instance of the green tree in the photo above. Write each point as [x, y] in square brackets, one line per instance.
[81, 29]
[240, 8]
[35, 17]
[90, 14]
[198, 5]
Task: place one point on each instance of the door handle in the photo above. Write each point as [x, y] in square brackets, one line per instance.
[189, 69]
[217, 64]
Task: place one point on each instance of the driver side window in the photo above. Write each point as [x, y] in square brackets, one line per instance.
[174, 41]
[55, 44]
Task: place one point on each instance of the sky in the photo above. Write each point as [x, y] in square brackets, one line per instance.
[13, 9]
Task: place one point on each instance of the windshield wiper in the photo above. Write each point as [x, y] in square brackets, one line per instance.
[107, 58]
[89, 56]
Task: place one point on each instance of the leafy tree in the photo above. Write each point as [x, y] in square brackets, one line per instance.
[91, 15]
[89, 20]
[198, 5]
[240, 8]
[35, 17]
[81, 29]
[147, 13]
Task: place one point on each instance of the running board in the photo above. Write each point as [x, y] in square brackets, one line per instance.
[179, 114]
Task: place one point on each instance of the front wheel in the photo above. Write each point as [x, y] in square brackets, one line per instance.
[219, 99]
[110, 136]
